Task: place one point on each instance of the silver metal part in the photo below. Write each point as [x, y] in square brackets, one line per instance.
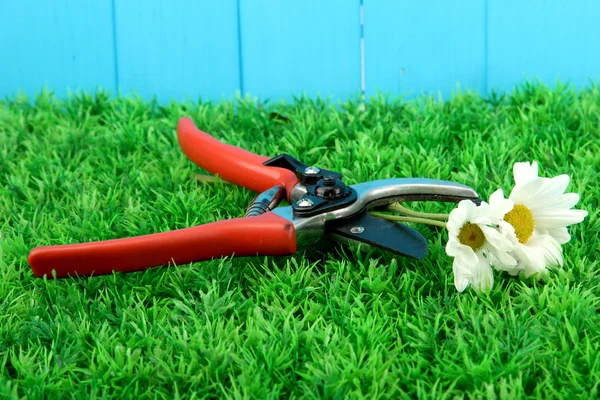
[386, 191]
[305, 203]
[297, 192]
[311, 170]
[373, 194]
[266, 201]
[357, 229]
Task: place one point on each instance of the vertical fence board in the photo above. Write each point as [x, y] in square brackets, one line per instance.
[192, 49]
[61, 44]
[300, 46]
[183, 49]
[424, 47]
[545, 40]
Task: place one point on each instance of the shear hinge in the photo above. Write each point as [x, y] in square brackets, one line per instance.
[325, 190]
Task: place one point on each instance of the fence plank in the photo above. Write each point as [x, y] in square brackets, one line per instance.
[179, 49]
[424, 47]
[61, 44]
[300, 46]
[545, 40]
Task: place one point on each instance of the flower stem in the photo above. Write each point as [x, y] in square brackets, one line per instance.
[409, 219]
[397, 207]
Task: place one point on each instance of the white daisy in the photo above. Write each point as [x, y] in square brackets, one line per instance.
[475, 243]
[540, 216]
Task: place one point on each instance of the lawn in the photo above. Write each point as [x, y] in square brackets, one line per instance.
[346, 323]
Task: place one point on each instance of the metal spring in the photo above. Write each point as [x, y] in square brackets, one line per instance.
[256, 208]
[266, 201]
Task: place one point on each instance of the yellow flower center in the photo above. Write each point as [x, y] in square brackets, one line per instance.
[471, 235]
[521, 218]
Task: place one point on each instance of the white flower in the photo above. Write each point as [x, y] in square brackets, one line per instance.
[475, 243]
[540, 216]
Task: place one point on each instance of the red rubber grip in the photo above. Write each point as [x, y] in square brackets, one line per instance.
[229, 162]
[267, 234]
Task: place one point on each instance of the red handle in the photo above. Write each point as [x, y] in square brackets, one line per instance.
[229, 162]
[267, 234]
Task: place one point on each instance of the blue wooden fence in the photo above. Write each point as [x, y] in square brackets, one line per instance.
[275, 49]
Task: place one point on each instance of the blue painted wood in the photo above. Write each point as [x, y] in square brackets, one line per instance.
[194, 48]
[428, 46]
[545, 40]
[61, 44]
[300, 46]
[178, 49]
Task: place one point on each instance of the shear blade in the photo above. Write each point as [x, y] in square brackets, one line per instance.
[379, 232]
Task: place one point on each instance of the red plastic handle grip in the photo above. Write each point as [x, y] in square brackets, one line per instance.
[229, 162]
[267, 234]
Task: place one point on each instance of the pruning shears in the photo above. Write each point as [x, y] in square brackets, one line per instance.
[322, 207]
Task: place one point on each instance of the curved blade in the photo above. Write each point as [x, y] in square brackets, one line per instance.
[382, 233]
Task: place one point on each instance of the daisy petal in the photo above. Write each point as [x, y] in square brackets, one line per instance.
[530, 259]
[479, 274]
[467, 255]
[483, 276]
[559, 218]
[553, 187]
[564, 201]
[523, 193]
[482, 215]
[512, 269]
[461, 281]
[453, 246]
[456, 220]
[495, 239]
[561, 235]
[540, 252]
[548, 248]
[496, 199]
[523, 172]
[499, 205]
[503, 261]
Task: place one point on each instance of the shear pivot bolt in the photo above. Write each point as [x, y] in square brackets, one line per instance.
[305, 203]
[357, 229]
[311, 170]
[329, 181]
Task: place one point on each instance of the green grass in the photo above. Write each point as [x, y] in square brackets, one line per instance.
[341, 324]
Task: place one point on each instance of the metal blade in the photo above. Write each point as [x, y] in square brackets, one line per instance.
[380, 232]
